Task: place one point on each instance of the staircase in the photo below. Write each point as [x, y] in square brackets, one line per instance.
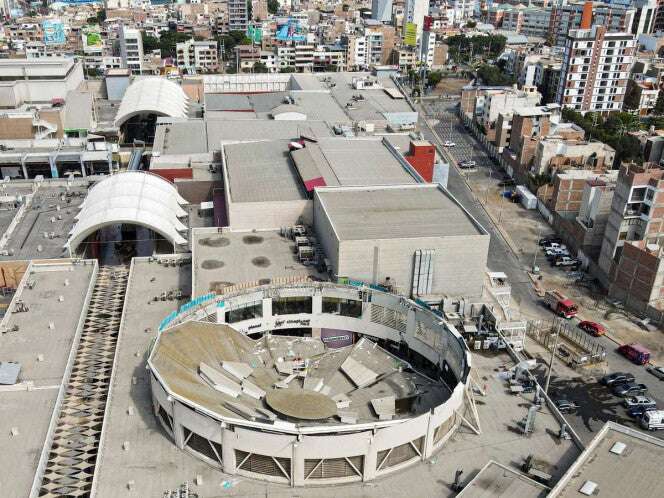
[72, 458]
[44, 128]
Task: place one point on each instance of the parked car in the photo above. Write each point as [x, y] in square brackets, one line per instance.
[657, 372]
[652, 420]
[638, 411]
[553, 245]
[633, 401]
[549, 239]
[565, 261]
[565, 405]
[617, 378]
[449, 144]
[630, 389]
[592, 328]
[467, 164]
[552, 254]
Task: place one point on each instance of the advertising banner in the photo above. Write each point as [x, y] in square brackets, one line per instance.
[54, 32]
[410, 34]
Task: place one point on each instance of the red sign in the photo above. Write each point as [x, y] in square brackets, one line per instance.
[428, 22]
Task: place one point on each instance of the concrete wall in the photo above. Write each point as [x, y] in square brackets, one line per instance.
[266, 215]
[459, 263]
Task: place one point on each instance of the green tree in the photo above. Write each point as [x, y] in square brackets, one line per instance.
[659, 104]
[260, 67]
[272, 6]
[471, 24]
[632, 95]
[287, 69]
[493, 76]
[168, 41]
[433, 78]
[101, 16]
[150, 43]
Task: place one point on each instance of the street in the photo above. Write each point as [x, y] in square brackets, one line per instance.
[596, 403]
[501, 258]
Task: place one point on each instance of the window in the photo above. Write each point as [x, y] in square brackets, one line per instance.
[291, 305]
[246, 312]
[343, 307]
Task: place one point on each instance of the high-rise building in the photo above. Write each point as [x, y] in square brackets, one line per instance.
[595, 69]
[414, 12]
[237, 15]
[381, 10]
[131, 49]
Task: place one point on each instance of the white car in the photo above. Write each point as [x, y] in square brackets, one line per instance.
[449, 144]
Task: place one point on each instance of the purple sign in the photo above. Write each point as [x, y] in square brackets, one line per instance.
[335, 338]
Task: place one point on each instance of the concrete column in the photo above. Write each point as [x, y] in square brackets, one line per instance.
[428, 439]
[178, 433]
[297, 466]
[228, 450]
[25, 170]
[267, 307]
[83, 173]
[316, 305]
[370, 461]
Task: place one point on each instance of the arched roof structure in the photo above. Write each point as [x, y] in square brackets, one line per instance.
[136, 198]
[152, 95]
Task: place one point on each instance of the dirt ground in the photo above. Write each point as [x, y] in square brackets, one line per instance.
[450, 86]
[522, 228]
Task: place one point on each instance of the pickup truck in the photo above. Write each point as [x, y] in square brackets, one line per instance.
[565, 261]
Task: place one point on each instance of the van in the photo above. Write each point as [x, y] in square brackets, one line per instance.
[635, 352]
[652, 420]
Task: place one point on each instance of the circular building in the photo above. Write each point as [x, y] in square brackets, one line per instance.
[311, 383]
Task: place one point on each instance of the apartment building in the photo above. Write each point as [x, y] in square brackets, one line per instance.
[197, 56]
[637, 213]
[595, 69]
[492, 101]
[238, 17]
[131, 49]
[581, 204]
[381, 10]
[618, 18]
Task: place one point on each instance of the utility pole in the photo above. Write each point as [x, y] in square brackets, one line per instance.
[553, 356]
[539, 234]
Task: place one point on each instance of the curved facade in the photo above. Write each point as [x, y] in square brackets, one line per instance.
[309, 452]
[136, 198]
[152, 95]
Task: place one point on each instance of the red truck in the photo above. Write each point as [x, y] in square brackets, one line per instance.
[635, 352]
[560, 304]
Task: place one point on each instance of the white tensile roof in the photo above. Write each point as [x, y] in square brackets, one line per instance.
[133, 197]
[152, 95]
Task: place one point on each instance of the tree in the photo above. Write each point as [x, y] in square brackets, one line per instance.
[168, 41]
[260, 67]
[101, 16]
[434, 78]
[471, 24]
[250, 10]
[150, 43]
[632, 95]
[493, 76]
[659, 104]
[272, 6]
[287, 69]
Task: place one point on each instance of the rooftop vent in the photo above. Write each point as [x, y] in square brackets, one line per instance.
[589, 488]
[618, 448]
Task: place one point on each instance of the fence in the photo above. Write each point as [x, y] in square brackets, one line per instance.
[576, 347]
